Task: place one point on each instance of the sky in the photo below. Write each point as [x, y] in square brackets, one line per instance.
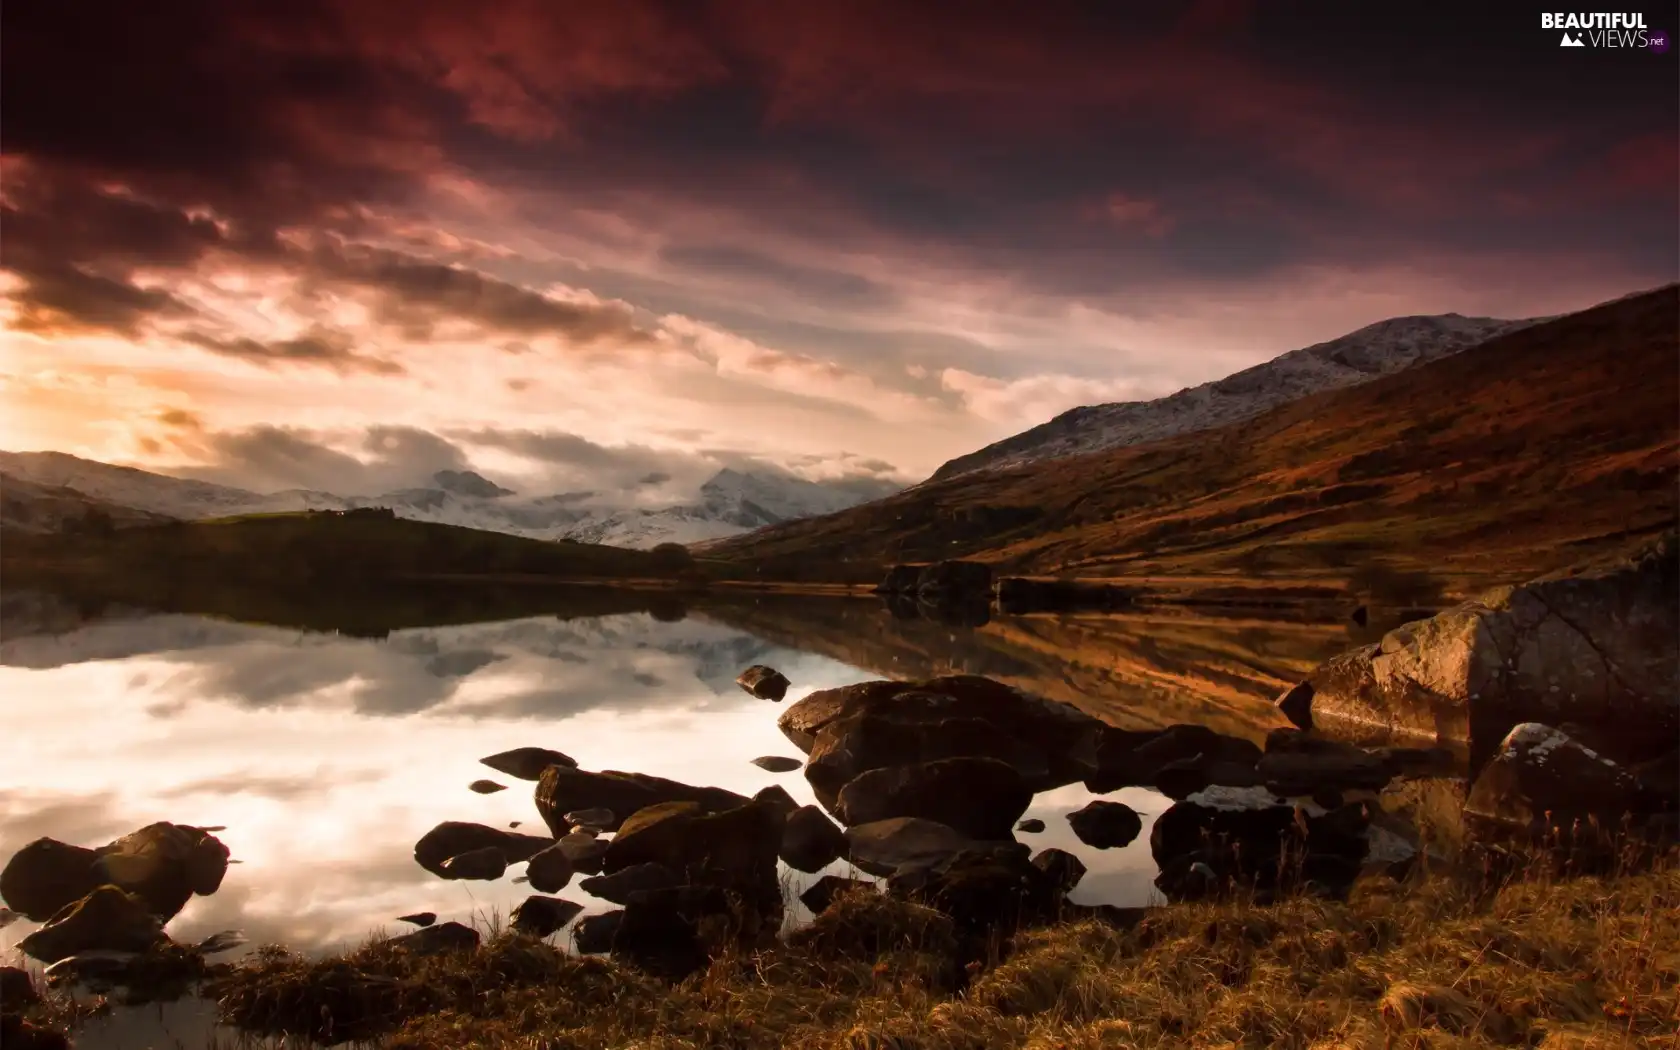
[340, 243]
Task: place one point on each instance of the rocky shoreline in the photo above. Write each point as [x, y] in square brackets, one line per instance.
[923, 785]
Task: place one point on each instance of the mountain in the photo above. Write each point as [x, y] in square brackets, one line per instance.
[731, 502]
[1374, 351]
[29, 507]
[1526, 452]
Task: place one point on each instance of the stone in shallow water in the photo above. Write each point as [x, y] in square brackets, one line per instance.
[108, 919]
[597, 817]
[486, 787]
[551, 870]
[486, 865]
[436, 940]
[1064, 869]
[810, 841]
[1106, 825]
[527, 763]
[562, 790]
[777, 763]
[622, 885]
[980, 797]
[541, 916]
[419, 918]
[765, 683]
[1031, 826]
[884, 846]
[453, 838]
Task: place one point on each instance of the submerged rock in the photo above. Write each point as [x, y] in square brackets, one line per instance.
[1031, 826]
[486, 787]
[777, 763]
[527, 763]
[765, 683]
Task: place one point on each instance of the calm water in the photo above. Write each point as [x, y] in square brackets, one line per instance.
[326, 756]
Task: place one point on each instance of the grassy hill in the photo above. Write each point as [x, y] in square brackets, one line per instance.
[1531, 451]
[316, 548]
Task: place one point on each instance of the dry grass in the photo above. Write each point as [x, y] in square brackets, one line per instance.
[1439, 962]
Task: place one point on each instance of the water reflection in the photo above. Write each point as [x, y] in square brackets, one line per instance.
[326, 756]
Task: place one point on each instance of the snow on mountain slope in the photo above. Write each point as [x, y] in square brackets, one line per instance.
[731, 502]
[30, 507]
[1359, 357]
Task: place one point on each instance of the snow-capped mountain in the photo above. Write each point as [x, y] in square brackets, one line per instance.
[733, 501]
[1371, 352]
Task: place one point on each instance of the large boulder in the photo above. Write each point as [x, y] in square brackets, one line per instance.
[853, 729]
[562, 790]
[1106, 825]
[163, 865]
[1541, 779]
[981, 797]
[810, 841]
[733, 849]
[1596, 649]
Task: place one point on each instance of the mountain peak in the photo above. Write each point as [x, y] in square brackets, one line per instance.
[468, 483]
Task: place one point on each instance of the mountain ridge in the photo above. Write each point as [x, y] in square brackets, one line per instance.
[730, 502]
[1368, 353]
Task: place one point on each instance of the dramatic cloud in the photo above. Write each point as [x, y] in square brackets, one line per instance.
[898, 231]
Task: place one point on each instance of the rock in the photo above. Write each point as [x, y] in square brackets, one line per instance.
[664, 933]
[527, 763]
[597, 817]
[735, 849]
[1229, 838]
[885, 846]
[453, 838]
[541, 916]
[980, 797]
[594, 934]
[1296, 705]
[1106, 825]
[850, 731]
[621, 885]
[777, 798]
[1183, 778]
[486, 787]
[1597, 649]
[419, 918]
[810, 841]
[1031, 826]
[765, 683]
[985, 890]
[585, 852]
[108, 919]
[777, 763]
[550, 871]
[1064, 869]
[47, 875]
[822, 893]
[563, 789]
[438, 940]
[17, 989]
[1360, 616]
[954, 577]
[163, 864]
[487, 865]
[900, 579]
[1542, 779]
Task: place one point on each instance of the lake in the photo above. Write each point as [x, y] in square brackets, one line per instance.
[325, 755]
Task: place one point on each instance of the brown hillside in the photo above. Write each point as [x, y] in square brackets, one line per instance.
[1529, 452]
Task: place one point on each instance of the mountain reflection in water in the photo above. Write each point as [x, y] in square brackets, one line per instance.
[326, 756]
